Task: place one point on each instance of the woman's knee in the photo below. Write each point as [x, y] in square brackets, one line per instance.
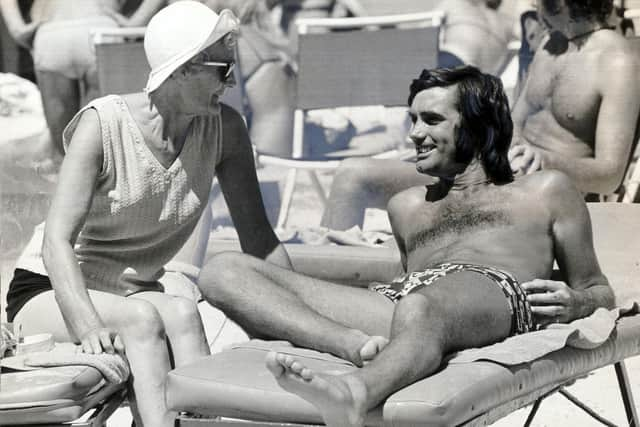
[183, 316]
[140, 320]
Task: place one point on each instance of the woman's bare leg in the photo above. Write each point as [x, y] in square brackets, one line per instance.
[61, 101]
[140, 327]
[183, 325]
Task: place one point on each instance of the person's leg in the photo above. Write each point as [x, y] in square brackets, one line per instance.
[142, 332]
[359, 184]
[458, 311]
[269, 301]
[60, 100]
[183, 325]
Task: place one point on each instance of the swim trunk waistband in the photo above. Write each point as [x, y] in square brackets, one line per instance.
[521, 315]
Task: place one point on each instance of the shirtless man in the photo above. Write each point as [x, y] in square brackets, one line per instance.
[58, 35]
[478, 249]
[580, 103]
[577, 113]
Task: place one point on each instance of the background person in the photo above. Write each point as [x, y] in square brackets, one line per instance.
[134, 182]
[579, 108]
[58, 34]
[572, 115]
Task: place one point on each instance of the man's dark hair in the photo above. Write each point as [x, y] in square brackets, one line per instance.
[485, 127]
[583, 9]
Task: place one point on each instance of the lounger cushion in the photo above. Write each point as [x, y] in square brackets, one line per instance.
[51, 395]
[236, 383]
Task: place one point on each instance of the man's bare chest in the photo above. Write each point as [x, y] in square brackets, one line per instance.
[568, 90]
[444, 222]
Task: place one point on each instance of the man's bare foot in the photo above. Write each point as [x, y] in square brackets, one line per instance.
[372, 347]
[340, 399]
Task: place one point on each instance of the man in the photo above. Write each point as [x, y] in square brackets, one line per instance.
[580, 103]
[577, 113]
[478, 248]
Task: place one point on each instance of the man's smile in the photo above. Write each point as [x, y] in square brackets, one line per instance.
[423, 151]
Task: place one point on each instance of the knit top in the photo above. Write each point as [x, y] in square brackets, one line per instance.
[142, 213]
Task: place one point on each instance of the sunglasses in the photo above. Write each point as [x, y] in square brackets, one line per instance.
[225, 69]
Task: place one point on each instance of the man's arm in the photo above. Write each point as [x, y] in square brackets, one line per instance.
[401, 209]
[238, 180]
[615, 130]
[585, 288]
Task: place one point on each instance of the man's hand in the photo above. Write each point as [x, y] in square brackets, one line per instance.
[525, 159]
[551, 301]
[101, 340]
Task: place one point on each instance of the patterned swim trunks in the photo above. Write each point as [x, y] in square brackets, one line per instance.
[521, 316]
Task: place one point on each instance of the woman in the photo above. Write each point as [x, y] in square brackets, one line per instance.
[134, 182]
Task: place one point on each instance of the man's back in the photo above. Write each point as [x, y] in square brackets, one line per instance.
[475, 33]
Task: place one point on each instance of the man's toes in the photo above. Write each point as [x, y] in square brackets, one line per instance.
[297, 367]
[306, 374]
[372, 347]
[274, 366]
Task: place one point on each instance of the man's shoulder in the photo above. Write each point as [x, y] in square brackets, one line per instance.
[546, 183]
[610, 45]
[409, 197]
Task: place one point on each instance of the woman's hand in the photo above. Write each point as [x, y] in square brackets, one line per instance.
[101, 340]
[551, 301]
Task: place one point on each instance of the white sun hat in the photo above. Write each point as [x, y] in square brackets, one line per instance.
[180, 31]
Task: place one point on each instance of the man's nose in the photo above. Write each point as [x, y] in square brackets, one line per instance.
[417, 134]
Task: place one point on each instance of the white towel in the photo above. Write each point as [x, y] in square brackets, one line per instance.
[585, 333]
[113, 367]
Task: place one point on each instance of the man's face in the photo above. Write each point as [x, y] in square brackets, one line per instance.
[551, 14]
[435, 119]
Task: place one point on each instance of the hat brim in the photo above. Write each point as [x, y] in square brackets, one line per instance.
[227, 22]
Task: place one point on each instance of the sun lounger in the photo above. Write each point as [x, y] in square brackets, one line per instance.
[57, 396]
[234, 386]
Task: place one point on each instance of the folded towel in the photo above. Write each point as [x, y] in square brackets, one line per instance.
[585, 333]
[113, 367]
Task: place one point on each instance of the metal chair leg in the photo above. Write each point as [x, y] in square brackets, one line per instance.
[627, 396]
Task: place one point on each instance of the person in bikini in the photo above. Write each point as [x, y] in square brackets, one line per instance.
[477, 246]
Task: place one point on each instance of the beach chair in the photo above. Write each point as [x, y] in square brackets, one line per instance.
[392, 7]
[62, 396]
[346, 62]
[234, 388]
